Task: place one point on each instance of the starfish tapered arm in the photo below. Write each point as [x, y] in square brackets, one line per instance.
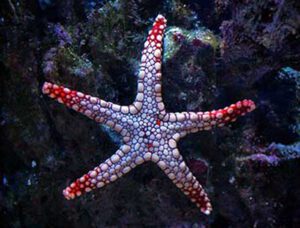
[110, 170]
[149, 77]
[198, 121]
[149, 133]
[176, 169]
[99, 110]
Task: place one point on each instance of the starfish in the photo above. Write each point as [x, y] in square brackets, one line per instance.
[149, 133]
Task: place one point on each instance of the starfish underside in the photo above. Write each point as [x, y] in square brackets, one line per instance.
[149, 133]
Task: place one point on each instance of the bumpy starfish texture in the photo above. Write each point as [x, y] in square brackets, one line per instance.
[149, 133]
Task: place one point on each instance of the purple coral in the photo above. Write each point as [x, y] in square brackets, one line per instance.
[49, 64]
[274, 154]
[271, 160]
[62, 35]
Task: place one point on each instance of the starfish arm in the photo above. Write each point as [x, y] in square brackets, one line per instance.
[92, 107]
[176, 169]
[148, 97]
[197, 121]
[114, 167]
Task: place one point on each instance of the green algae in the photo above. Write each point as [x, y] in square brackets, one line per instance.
[175, 37]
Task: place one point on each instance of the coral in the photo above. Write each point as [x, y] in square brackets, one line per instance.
[177, 38]
[63, 36]
[272, 160]
[274, 154]
[286, 152]
[261, 34]
[49, 62]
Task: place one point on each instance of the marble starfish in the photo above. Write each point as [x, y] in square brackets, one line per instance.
[149, 132]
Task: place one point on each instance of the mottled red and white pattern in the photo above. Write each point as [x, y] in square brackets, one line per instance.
[149, 132]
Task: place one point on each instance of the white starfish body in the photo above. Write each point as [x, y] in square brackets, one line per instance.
[149, 132]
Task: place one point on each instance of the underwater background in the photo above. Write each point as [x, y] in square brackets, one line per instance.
[215, 53]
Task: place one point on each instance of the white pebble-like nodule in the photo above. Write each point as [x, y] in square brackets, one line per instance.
[113, 178]
[219, 115]
[126, 139]
[162, 165]
[140, 87]
[176, 153]
[161, 106]
[79, 94]
[157, 53]
[141, 74]
[110, 123]
[139, 160]
[104, 167]
[115, 158]
[115, 107]
[139, 97]
[182, 165]
[133, 109]
[125, 148]
[118, 128]
[172, 143]
[138, 105]
[180, 116]
[137, 146]
[75, 107]
[126, 169]
[100, 184]
[87, 189]
[171, 176]
[66, 90]
[230, 110]
[96, 107]
[124, 109]
[157, 66]
[154, 158]
[176, 136]
[206, 117]
[193, 116]
[93, 100]
[93, 173]
[172, 117]
[147, 156]
[157, 88]
[155, 144]
[159, 37]
[144, 58]
[88, 112]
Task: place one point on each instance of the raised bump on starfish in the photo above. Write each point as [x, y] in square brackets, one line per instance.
[149, 133]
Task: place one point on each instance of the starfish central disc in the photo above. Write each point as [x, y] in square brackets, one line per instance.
[149, 133]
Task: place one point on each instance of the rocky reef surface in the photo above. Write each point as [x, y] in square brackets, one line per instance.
[215, 53]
